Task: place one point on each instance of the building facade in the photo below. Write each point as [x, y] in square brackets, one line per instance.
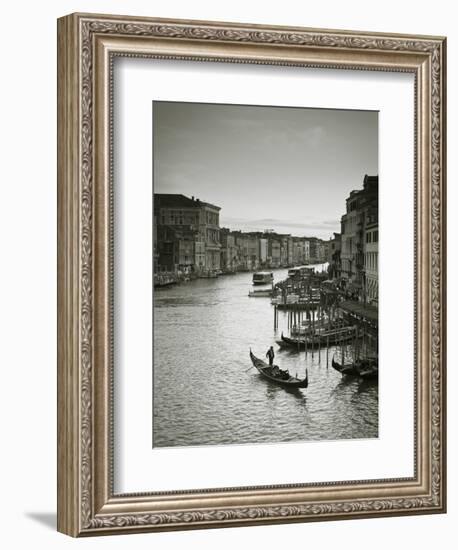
[334, 251]
[351, 240]
[250, 251]
[263, 251]
[228, 262]
[301, 251]
[209, 230]
[189, 239]
[175, 248]
[194, 225]
[306, 251]
[286, 250]
[371, 261]
[361, 211]
[274, 251]
[317, 250]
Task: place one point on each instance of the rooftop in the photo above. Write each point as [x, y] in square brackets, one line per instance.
[175, 200]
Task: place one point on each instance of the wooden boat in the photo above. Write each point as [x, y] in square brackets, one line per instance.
[277, 375]
[209, 274]
[164, 284]
[296, 306]
[370, 373]
[263, 278]
[319, 340]
[264, 293]
[366, 369]
[165, 279]
[344, 369]
[306, 329]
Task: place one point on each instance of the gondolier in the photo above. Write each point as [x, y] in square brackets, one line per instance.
[270, 355]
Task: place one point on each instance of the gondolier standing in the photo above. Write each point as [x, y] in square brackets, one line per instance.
[270, 355]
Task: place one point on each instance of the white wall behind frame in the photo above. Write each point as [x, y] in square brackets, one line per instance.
[28, 274]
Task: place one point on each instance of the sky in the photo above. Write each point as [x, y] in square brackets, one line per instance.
[283, 168]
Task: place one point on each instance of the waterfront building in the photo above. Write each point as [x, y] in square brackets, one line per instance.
[252, 251]
[199, 256]
[289, 246]
[286, 250]
[263, 251]
[301, 251]
[176, 248]
[306, 251]
[361, 207]
[274, 251]
[351, 240]
[242, 261]
[187, 236]
[209, 230]
[298, 252]
[371, 260]
[228, 251]
[317, 250]
[188, 217]
[312, 249]
[334, 250]
[323, 251]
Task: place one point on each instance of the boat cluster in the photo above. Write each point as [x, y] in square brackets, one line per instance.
[317, 321]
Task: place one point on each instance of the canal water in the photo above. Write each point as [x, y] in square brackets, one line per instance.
[205, 393]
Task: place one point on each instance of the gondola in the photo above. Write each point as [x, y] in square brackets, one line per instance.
[277, 375]
[318, 340]
[368, 370]
[264, 293]
[369, 374]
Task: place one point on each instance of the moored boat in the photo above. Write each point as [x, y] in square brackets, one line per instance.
[294, 306]
[277, 375]
[305, 328]
[321, 339]
[165, 279]
[364, 368]
[209, 274]
[301, 271]
[263, 278]
[263, 293]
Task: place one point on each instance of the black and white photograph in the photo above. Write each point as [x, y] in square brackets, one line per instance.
[265, 266]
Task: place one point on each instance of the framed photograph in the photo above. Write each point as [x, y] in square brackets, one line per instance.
[251, 284]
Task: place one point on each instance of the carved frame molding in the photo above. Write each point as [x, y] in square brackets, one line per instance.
[87, 46]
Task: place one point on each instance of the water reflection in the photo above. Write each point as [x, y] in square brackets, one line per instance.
[205, 393]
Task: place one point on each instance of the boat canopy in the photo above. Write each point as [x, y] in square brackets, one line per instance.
[265, 273]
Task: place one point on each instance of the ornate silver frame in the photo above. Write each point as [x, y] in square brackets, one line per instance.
[87, 44]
